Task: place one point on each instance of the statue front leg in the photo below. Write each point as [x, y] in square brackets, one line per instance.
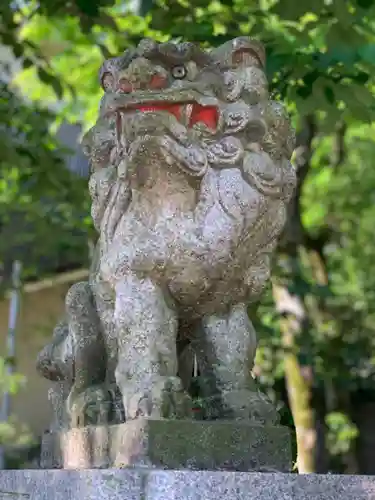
[89, 400]
[146, 326]
[225, 345]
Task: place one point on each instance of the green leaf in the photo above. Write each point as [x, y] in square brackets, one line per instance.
[51, 80]
[367, 53]
[365, 4]
[304, 91]
[329, 93]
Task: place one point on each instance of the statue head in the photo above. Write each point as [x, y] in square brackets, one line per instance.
[192, 95]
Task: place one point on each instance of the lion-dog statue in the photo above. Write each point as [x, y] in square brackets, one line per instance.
[190, 183]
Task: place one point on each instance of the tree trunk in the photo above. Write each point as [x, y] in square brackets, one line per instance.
[298, 379]
[295, 321]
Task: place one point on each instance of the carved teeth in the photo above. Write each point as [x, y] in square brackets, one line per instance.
[121, 143]
[186, 115]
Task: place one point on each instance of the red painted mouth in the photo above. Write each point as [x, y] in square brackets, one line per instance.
[204, 114]
[199, 114]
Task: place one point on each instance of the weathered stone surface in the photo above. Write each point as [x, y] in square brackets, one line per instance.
[254, 486]
[202, 445]
[70, 485]
[174, 444]
[137, 484]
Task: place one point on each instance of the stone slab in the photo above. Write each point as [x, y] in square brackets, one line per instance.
[140, 484]
[50, 454]
[176, 444]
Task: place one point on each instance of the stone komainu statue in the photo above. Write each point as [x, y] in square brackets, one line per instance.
[190, 181]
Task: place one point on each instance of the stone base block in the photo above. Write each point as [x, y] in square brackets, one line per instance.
[141, 484]
[173, 444]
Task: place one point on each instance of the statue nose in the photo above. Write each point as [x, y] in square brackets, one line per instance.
[128, 84]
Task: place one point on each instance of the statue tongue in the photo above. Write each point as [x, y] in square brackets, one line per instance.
[204, 114]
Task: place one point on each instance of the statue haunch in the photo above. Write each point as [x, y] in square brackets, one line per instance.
[190, 183]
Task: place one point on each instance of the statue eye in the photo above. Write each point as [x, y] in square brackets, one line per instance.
[179, 72]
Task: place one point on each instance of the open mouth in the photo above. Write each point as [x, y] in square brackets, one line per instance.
[188, 113]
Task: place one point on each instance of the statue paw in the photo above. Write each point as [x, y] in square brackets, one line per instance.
[169, 400]
[165, 398]
[91, 406]
[249, 405]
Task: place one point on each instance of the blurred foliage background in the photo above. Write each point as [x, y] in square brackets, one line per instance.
[317, 319]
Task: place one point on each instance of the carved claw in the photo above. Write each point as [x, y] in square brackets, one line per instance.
[165, 399]
[169, 400]
[246, 404]
[91, 406]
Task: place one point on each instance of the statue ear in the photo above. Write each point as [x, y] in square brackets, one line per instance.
[106, 76]
[108, 73]
[241, 52]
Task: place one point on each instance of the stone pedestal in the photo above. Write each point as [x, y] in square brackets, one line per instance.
[140, 484]
[172, 444]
